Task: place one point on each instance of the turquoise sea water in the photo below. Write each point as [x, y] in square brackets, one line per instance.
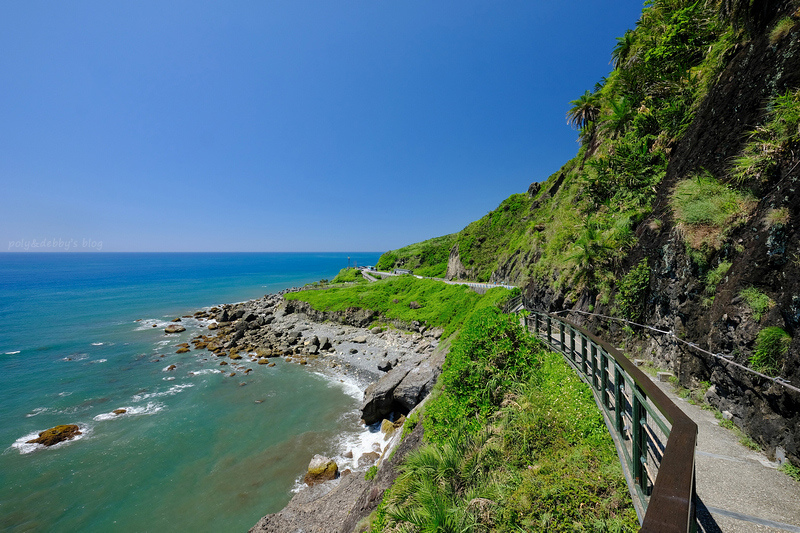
[195, 451]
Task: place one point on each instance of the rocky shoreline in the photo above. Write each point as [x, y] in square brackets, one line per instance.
[396, 364]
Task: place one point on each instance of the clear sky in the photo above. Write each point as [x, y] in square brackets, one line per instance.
[290, 125]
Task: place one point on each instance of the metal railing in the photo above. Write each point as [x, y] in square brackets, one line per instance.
[655, 440]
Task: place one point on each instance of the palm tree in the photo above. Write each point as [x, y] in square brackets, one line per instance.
[622, 49]
[584, 110]
[621, 114]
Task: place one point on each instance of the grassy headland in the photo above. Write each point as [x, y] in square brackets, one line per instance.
[407, 298]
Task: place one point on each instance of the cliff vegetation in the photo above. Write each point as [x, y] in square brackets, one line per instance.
[678, 211]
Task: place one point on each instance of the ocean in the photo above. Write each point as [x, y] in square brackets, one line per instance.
[196, 449]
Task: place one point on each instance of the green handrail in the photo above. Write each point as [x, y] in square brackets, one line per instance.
[654, 438]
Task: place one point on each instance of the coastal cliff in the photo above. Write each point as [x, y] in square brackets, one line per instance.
[679, 212]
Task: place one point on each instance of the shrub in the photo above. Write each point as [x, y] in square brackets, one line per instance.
[705, 210]
[348, 275]
[772, 345]
[790, 470]
[781, 29]
[758, 302]
[715, 276]
[371, 473]
[768, 143]
[632, 291]
[492, 351]
[776, 217]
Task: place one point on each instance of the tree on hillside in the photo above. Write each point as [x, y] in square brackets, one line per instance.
[583, 114]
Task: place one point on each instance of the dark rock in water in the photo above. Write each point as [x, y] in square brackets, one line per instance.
[56, 435]
[171, 367]
[176, 320]
[271, 364]
[348, 454]
[119, 411]
[235, 356]
[263, 361]
[174, 328]
[223, 363]
[213, 326]
[155, 325]
[320, 469]
[182, 350]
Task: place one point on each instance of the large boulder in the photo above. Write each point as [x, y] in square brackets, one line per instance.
[379, 396]
[174, 328]
[321, 469]
[56, 435]
[418, 382]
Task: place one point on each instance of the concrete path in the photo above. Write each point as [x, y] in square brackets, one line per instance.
[740, 490]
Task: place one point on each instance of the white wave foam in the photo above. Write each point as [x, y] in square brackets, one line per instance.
[37, 411]
[13, 353]
[98, 361]
[171, 378]
[359, 444]
[76, 357]
[150, 409]
[25, 447]
[205, 371]
[175, 389]
[97, 344]
[349, 385]
[65, 393]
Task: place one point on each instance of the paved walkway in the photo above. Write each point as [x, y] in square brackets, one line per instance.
[740, 490]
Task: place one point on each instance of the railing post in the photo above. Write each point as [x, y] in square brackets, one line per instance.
[639, 444]
[561, 327]
[619, 402]
[549, 331]
[584, 340]
[536, 324]
[572, 343]
[604, 377]
[593, 365]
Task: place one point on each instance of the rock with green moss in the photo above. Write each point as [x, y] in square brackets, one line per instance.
[57, 434]
[321, 469]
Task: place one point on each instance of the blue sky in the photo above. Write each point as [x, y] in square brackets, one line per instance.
[284, 125]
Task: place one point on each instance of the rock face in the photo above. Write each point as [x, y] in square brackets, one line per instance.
[320, 469]
[174, 328]
[455, 269]
[402, 387]
[56, 435]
